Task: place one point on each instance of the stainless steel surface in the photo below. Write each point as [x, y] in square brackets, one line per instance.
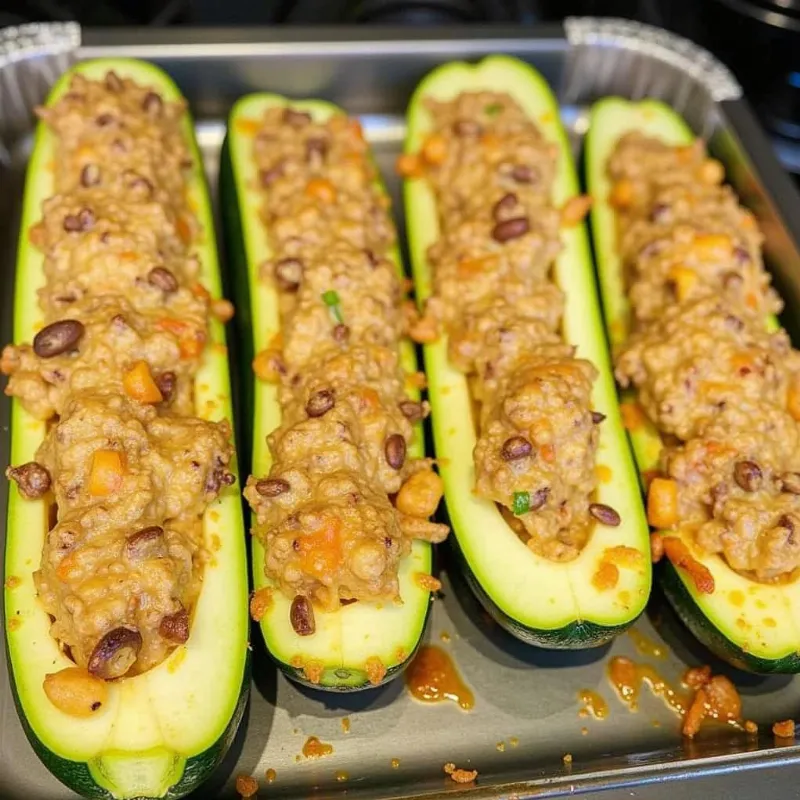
[526, 699]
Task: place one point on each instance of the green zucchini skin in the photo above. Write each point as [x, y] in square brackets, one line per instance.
[345, 669]
[175, 764]
[542, 603]
[713, 621]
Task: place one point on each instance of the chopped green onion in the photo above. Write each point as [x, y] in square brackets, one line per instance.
[493, 109]
[522, 503]
[331, 299]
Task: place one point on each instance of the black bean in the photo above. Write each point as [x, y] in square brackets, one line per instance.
[748, 475]
[394, 450]
[103, 120]
[660, 213]
[32, 479]
[515, 448]
[113, 82]
[267, 177]
[372, 258]
[320, 403]
[732, 280]
[118, 146]
[228, 479]
[146, 544]
[78, 223]
[316, 149]
[175, 627]
[604, 514]
[741, 255]
[341, 333]
[289, 274]
[153, 104]
[790, 482]
[166, 382]
[163, 279]
[58, 337]
[538, 498]
[510, 229]
[90, 175]
[522, 173]
[733, 322]
[119, 322]
[272, 487]
[301, 615]
[414, 411]
[467, 127]
[138, 182]
[506, 203]
[115, 653]
[597, 417]
[651, 248]
[787, 521]
[297, 119]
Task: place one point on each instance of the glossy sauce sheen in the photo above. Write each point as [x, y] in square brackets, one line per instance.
[594, 703]
[646, 646]
[432, 678]
[627, 677]
[314, 748]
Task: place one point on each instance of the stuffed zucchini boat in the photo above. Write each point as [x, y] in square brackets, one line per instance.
[94, 541]
[320, 304]
[540, 486]
[711, 382]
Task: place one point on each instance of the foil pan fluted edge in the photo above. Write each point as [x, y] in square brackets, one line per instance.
[669, 48]
[32, 57]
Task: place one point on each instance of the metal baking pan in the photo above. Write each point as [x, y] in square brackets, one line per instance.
[526, 712]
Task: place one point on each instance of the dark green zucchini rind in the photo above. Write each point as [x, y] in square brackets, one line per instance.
[753, 626]
[339, 651]
[549, 604]
[164, 732]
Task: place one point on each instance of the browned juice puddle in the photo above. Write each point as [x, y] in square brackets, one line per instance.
[594, 703]
[432, 678]
[314, 748]
[645, 646]
[628, 677]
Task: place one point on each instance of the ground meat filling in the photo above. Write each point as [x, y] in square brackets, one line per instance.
[492, 171]
[112, 369]
[709, 368]
[342, 501]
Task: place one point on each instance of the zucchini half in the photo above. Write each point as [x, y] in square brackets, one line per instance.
[163, 732]
[344, 640]
[751, 625]
[541, 602]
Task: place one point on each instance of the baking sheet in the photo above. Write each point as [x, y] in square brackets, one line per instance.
[526, 711]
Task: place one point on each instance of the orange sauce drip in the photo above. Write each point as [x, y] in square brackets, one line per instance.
[627, 678]
[341, 776]
[395, 763]
[314, 748]
[271, 775]
[432, 678]
[646, 646]
[345, 724]
[594, 703]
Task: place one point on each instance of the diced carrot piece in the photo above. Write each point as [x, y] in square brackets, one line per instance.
[632, 416]
[198, 290]
[266, 366]
[183, 229]
[369, 398]
[679, 555]
[434, 150]
[547, 453]
[491, 141]
[321, 549]
[321, 189]
[684, 280]
[139, 384]
[793, 400]
[408, 165]
[712, 245]
[621, 194]
[662, 503]
[106, 472]
[711, 172]
[575, 209]
[656, 547]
